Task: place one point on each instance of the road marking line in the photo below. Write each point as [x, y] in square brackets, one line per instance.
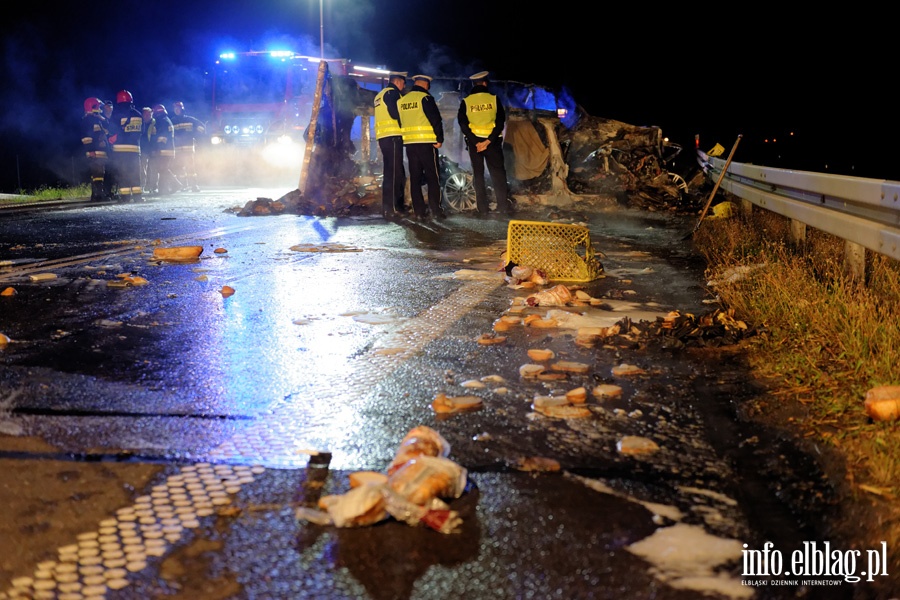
[159, 520]
[39, 265]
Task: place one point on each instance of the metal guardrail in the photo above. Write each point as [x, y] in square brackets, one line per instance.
[862, 211]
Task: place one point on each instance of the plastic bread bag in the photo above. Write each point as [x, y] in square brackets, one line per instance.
[435, 515]
[421, 479]
[420, 441]
[361, 506]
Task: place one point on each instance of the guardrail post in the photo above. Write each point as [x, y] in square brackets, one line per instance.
[746, 208]
[798, 232]
[855, 261]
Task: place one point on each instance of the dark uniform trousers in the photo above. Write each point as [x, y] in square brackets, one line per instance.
[493, 157]
[394, 182]
[97, 167]
[423, 168]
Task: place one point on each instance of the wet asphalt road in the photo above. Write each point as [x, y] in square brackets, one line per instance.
[157, 440]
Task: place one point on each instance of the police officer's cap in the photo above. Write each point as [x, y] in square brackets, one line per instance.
[422, 78]
[398, 74]
[481, 76]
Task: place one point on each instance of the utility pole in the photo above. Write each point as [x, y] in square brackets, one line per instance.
[321, 31]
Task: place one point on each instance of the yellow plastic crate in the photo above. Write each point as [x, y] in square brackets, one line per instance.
[563, 252]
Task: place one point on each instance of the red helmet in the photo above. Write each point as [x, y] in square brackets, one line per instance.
[92, 105]
[124, 96]
[159, 108]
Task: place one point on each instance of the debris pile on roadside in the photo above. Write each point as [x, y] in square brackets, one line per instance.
[595, 324]
[611, 157]
[335, 198]
[412, 490]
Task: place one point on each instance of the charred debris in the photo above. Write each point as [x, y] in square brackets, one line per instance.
[557, 155]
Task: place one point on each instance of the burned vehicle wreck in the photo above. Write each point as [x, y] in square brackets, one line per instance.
[556, 153]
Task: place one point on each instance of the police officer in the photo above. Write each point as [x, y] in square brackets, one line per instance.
[160, 177]
[94, 134]
[125, 130]
[481, 119]
[390, 141]
[423, 134]
[188, 131]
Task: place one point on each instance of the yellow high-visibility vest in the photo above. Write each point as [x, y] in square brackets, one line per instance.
[481, 108]
[385, 124]
[417, 128]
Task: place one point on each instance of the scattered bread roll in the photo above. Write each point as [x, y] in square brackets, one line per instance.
[564, 411]
[446, 404]
[366, 478]
[607, 390]
[531, 370]
[625, 370]
[636, 445]
[883, 403]
[176, 253]
[489, 339]
[569, 366]
[577, 395]
[540, 354]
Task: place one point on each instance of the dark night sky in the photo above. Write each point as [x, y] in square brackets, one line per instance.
[702, 70]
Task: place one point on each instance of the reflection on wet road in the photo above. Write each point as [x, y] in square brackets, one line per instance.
[229, 412]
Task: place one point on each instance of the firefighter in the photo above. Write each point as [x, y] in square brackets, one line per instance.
[189, 131]
[107, 109]
[147, 117]
[110, 188]
[125, 130]
[481, 119]
[390, 141]
[423, 134]
[160, 177]
[94, 134]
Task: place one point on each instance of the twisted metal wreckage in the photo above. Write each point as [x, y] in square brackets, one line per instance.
[557, 154]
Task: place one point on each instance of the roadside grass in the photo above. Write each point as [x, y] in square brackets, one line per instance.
[43, 194]
[828, 340]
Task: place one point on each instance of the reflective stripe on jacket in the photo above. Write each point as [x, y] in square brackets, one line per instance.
[417, 128]
[385, 124]
[481, 109]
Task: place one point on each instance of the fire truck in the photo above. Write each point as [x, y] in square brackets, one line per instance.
[262, 102]
[259, 97]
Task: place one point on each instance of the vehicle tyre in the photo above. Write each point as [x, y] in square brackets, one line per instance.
[459, 192]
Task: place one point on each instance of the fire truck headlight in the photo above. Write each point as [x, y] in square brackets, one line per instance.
[259, 129]
[285, 154]
[227, 129]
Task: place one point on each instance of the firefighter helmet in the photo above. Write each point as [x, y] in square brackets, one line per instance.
[159, 108]
[179, 107]
[124, 96]
[92, 105]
